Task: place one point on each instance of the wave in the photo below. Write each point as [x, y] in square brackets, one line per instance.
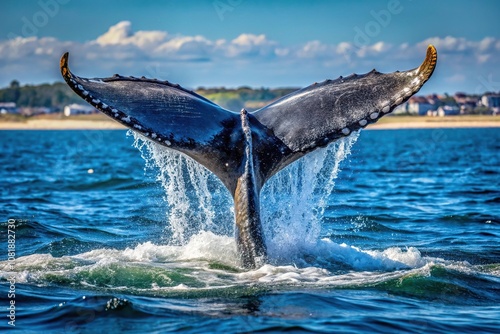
[201, 258]
[208, 266]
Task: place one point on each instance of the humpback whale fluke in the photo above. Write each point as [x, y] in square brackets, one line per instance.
[245, 149]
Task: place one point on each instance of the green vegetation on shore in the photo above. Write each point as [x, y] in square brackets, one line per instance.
[243, 97]
[57, 95]
[403, 119]
[54, 96]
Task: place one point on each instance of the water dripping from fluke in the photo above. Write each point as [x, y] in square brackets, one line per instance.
[292, 202]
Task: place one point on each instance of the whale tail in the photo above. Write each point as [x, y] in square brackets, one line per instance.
[245, 149]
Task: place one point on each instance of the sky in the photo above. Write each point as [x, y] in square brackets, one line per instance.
[232, 43]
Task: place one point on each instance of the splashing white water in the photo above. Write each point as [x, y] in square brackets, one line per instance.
[148, 267]
[292, 202]
[196, 200]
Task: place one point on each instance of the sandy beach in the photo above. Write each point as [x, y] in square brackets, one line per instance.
[435, 123]
[393, 122]
[69, 124]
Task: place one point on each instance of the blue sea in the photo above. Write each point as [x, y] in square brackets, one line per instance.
[387, 231]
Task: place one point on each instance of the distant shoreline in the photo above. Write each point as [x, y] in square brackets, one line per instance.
[388, 123]
[59, 124]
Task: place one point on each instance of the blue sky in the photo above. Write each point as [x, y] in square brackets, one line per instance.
[256, 43]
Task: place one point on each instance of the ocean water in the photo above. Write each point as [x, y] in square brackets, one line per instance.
[388, 231]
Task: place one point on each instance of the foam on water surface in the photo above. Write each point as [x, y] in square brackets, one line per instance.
[209, 261]
[199, 250]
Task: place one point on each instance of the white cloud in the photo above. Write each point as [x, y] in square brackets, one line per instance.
[313, 49]
[448, 44]
[483, 58]
[344, 47]
[121, 33]
[373, 50]
[249, 45]
[116, 34]
[487, 44]
[451, 44]
[24, 47]
[129, 52]
[161, 44]
[185, 47]
[282, 52]
[250, 40]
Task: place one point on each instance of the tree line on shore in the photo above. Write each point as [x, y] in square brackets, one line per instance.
[57, 95]
[48, 98]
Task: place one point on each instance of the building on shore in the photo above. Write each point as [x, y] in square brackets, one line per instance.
[448, 110]
[8, 108]
[419, 105]
[78, 109]
[32, 111]
[491, 101]
[402, 109]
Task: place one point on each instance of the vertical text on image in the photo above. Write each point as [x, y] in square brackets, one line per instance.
[11, 260]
